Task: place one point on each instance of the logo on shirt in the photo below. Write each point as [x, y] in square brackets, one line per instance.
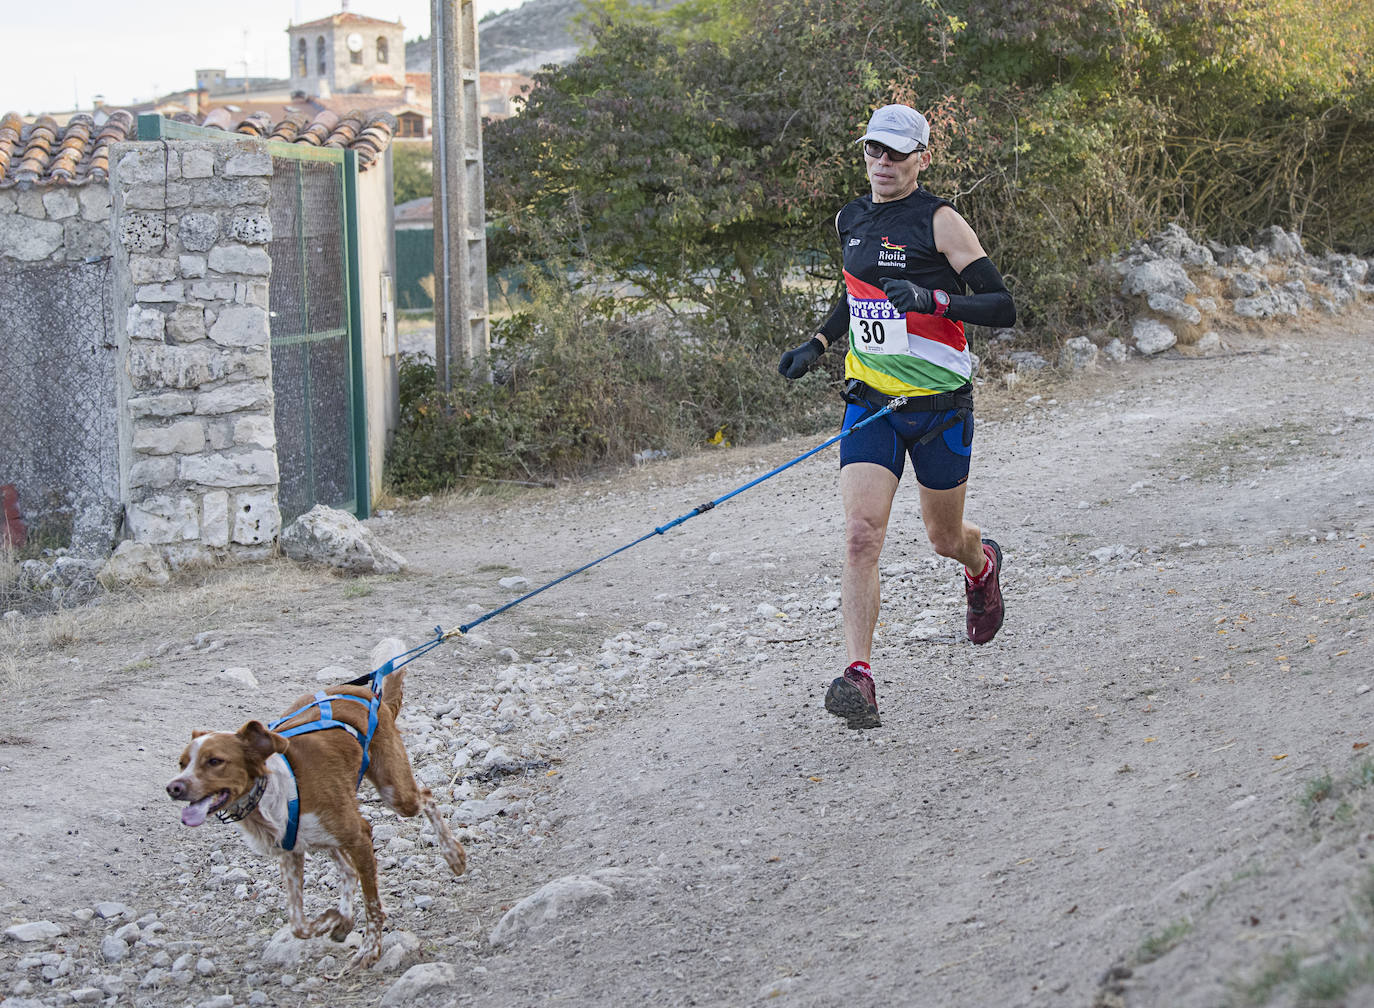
[891, 254]
[854, 241]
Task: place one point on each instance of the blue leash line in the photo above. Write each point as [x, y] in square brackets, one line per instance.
[896, 403]
[374, 679]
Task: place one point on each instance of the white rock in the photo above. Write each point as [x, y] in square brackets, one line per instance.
[332, 674]
[514, 583]
[1077, 353]
[1152, 336]
[335, 538]
[34, 931]
[424, 985]
[284, 949]
[498, 760]
[569, 896]
[563, 897]
[135, 563]
[242, 676]
[113, 949]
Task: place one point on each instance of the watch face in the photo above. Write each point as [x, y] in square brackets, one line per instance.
[942, 298]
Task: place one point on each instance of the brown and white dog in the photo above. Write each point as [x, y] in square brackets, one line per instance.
[244, 777]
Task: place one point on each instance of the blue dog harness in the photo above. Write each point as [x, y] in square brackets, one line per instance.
[323, 702]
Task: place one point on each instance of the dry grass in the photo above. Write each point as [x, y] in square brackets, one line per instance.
[15, 674]
[185, 606]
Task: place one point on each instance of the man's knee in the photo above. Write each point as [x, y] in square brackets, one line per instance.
[864, 536]
[948, 542]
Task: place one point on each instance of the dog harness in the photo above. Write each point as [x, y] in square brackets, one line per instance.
[323, 702]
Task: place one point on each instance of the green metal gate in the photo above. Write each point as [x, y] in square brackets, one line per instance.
[315, 309]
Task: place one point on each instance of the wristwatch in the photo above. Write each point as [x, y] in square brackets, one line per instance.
[941, 302]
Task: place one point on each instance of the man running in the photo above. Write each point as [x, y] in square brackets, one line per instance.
[914, 273]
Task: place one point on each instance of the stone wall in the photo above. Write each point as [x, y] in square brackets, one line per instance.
[57, 408]
[52, 223]
[198, 451]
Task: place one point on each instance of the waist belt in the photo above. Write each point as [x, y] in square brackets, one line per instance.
[859, 393]
[960, 400]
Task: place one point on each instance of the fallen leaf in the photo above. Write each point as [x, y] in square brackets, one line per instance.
[1282, 755]
[1359, 745]
[816, 779]
[1150, 739]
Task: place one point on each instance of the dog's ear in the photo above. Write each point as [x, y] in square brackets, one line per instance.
[198, 732]
[257, 739]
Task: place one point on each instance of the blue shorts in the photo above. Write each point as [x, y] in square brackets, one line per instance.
[940, 464]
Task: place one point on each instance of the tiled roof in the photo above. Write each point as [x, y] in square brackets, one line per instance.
[345, 18]
[367, 133]
[44, 153]
[417, 211]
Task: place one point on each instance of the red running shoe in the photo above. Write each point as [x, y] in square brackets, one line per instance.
[853, 697]
[985, 611]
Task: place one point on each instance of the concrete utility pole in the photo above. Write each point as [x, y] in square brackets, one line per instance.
[461, 339]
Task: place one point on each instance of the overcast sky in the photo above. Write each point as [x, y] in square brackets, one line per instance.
[60, 53]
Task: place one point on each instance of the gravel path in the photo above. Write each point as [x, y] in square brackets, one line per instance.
[1118, 802]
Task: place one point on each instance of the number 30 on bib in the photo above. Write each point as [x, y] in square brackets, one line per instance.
[876, 327]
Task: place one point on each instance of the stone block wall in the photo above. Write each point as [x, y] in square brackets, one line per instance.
[55, 223]
[191, 225]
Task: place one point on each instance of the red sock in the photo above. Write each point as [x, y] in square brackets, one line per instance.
[982, 576]
[860, 666]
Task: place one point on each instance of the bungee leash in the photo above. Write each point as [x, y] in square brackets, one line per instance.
[440, 635]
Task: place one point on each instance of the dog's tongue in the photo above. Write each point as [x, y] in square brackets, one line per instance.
[195, 813]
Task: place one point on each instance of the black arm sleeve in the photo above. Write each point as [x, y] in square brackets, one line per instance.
[836, 324]
[990, 303]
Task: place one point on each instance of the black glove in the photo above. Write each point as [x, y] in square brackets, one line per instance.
[796, 363]
[907, 297]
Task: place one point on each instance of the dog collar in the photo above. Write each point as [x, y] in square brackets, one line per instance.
[244, 807]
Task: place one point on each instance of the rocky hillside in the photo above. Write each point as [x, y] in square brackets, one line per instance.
[525, 38]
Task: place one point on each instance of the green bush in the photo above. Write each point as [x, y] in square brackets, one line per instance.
[577, 384]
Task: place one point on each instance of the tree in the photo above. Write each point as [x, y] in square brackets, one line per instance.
[412, 171]
[701, 171]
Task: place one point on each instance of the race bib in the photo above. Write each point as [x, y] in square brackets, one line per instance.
[876, 327]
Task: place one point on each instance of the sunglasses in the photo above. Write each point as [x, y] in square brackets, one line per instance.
[876, 150]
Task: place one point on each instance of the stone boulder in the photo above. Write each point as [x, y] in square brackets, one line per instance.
[1152, 336]
[328, 536]
[1158, 276]
[135, 563]
[1077, 353]
[1282, 245]
[424, 985]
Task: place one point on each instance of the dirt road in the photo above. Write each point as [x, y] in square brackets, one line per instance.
[1149, 790]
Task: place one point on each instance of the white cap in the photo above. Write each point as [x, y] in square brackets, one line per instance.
[898, 126]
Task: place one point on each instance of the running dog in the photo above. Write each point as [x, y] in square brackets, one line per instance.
[291, 787]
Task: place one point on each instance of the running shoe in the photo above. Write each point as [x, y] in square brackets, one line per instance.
[985, 611]
[853, 697]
